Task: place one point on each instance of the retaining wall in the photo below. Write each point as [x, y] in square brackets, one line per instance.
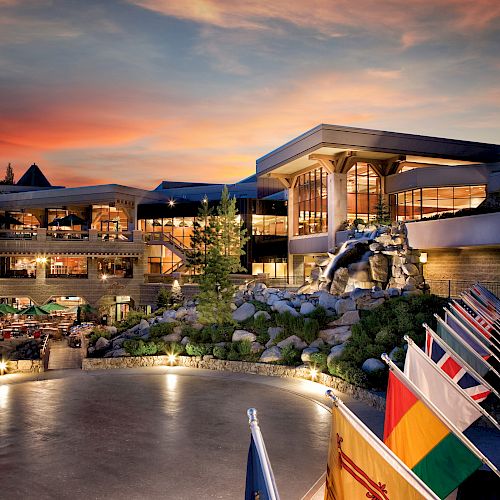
[239, 367]
[25, 366]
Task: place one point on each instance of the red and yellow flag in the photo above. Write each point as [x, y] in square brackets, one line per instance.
[360, 466]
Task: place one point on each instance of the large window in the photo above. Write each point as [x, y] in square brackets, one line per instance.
[428, 202]
[118, 267]
[18, 267]
[110, 219]
[363, 191]
[66, 267]
[162, 261]
[269, 225]
[175, 229]
[274, 267]
[311, 212]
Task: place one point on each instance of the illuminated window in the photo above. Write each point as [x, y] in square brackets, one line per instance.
[311, 201]
[429, 202]
[363, 191]
[269, 225]
[66, 267]
[18, 267]
[119, 267]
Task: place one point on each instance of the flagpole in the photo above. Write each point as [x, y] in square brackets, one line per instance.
[267, 470]
[484, 315]
[465, 344]
[450, 382]
[359, 425]
[479, 337]
[436, 338]
[438, 413]
[474, 323]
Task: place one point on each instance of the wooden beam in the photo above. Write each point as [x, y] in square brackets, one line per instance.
[286, 181]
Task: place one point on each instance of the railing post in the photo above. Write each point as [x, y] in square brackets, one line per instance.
[41, 234]
[449, 289]
[93, 234]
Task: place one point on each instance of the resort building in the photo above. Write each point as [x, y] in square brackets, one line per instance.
[113, 246]
[335, 176]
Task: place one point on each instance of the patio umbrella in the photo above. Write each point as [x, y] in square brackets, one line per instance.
[34, 311]
[7, 309]
[56, 222]
[53, 306]
[72, 220]
[8, 219]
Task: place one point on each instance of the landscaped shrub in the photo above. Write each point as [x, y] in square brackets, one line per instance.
[319, 314]
[133, 318]
[260, 306]
[219, 333]
[137, 347]
[318, 360]
[382, 329]
[348, 372]
[290, 355]
[198, 349]
[305, 328]
[97, 333]
[220, 352]
[193, 334]
[160, 329]
[310, 330]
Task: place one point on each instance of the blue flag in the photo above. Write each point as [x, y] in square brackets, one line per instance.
[256, 488]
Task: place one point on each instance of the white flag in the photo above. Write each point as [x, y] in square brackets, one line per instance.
[440, 390]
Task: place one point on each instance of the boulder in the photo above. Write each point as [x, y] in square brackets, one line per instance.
[270, 355]
[172, 337]
[117, 342]
[244, 312]
[256, 347]
[410, 269]
[119, 353]
[348, 318]
[283, 307]
[379, 267]
[339, 282]
[181, 312]
[335, 336]
[111, 329]
[409, 293]
[335, 352]
[393, 292]
[273, 297]
[372, 365]
[170, 313]
[306, 353]
[297, 342]
[274, 331]
[317, 343]
[185, 340]
[102, 343]
[344, 305]
[143, 324]
[307, 308]
[327, 300]
[262, 314]
[368, 305]
[240, 335]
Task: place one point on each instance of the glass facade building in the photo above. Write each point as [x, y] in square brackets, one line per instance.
[363, 192]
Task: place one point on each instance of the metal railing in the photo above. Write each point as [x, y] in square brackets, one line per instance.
[17, 234]
[63, 234]
[453, 288]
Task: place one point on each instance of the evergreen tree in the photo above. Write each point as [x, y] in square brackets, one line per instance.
[177, 297]
[383, 214]
[9, 175]
[223, 258]
[202, 238]
[164, 298]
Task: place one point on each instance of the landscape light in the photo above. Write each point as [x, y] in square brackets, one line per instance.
[314, 373]
[3, 367]
[172, 358]
[205, 200]
[171, 203]
[423, 257]
[104, 277]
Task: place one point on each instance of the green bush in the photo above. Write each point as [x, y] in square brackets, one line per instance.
[318, 359]
[133, 318]
[160, 329]
[97, 333]
[310, 330]
[137, 347]
[198, 349]
[220, 352]
[348, 372]
[382, 329]
[305, 328]
[260, 306]
[193, 334]
[290, 355]
[319, 314]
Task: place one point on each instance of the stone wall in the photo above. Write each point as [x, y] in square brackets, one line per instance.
[25, 366]
[240, 367]
[463, 264]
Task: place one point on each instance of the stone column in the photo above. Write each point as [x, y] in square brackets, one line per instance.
[337, 204]
[93, 234]
[292, 223]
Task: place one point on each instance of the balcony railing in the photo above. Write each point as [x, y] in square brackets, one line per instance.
[22, 234]
[59, 234]
[43, 234]
[453, 288]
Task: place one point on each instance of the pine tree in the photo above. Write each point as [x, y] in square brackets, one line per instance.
[383, 214]
[9, 175]
[164, 298]
[202, 238]
[177, 297]
[223, 258]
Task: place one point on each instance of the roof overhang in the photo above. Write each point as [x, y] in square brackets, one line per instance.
[328, 142]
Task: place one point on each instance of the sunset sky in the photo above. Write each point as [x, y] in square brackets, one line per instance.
[136, 91]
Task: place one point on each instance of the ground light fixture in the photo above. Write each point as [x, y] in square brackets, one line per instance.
[104, 277]
[3, 367]
[313, 372]
[423, 258]
[171, 202]
[172, 359]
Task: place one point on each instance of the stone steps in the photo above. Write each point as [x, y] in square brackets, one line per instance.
[63, 357]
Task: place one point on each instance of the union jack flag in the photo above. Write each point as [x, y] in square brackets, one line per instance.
[455, 371]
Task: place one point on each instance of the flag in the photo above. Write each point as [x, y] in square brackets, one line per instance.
[439, 389]
[453, 366]
[461, 347]
[480, 315]
[423, 441]
[489, 299]
[260, 483]
[468, 316]
[489, 314]
[361, 466]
